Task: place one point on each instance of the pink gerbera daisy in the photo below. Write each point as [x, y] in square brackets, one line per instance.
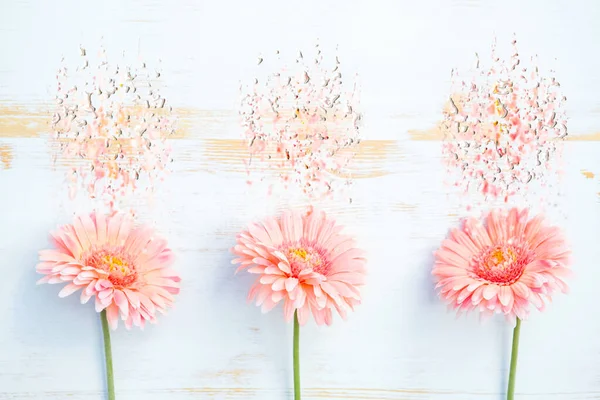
[302, 260]
[502, 266]
[125, 268]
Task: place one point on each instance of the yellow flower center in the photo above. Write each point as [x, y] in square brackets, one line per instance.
[301, 258]
[115, 264]
[300, 253]
[119, 265]
[502, 264]
[501, 257]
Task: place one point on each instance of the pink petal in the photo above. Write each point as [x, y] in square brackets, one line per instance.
[460, 251]
[474, 285]
[285, 267]
[68, 290]
[319, 315]
[106, 293]
[444, 271]
[45, 279]
[70, 270]
[505, 296]
[121, 301]
[85, 297]
[268, 305]
[461, 283]
[54, 255]
[273, 229]
[255, 270]
[99, 306]
[312, 225]
[288, 310]
[274, 271]
[495, 227]
[490, 291]
[263, 262]
[303, 314]
[114, 224]
[279, 284]
[328, 317]
[82, 235]
[321, 300]
[100, 227]
[463, 295]
[492, 303]
[287, 227]
[297, 225]
[112, 316]
[259, 233]
[268, 279]
[290, 284]
[477, 295]
[277, 296]
[300, 299]
[520, 290]
[263, 293]
[89, 228]
[124, 230]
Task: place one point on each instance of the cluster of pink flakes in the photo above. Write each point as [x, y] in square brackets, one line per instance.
[301, 121]
[111, 125]
[502, 128]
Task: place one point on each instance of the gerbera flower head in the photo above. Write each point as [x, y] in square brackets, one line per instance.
[125, 268]
[502, 265]
[302, 260]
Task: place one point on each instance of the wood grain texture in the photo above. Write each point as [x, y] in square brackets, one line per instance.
[401, 344]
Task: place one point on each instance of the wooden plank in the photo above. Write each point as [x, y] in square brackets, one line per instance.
[401, 343]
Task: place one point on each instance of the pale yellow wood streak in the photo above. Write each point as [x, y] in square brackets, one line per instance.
[236, 376]
[432, 134]
[587, 174]
[307, 393]
[24, 121]
[336, 393]
[193, 122]
[590, 137]
[230, 154]
[404, 207]
[20, 120]
[34, 120]
[436, 134]
[373, 158]
[6, 156]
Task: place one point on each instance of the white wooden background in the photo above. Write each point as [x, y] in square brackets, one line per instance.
[401, 343]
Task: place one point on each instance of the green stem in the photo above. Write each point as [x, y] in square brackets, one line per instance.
[110, 383]
[510, 395]
[296, 357]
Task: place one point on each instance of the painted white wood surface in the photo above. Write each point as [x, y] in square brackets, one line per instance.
[401, 343]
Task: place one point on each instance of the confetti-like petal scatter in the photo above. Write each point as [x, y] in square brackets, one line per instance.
[302, 122]
[502, 127]
[111, 124]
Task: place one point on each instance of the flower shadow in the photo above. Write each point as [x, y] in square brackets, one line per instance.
[504, 359]
[39, 315]
[427, 292]
[268, 335]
